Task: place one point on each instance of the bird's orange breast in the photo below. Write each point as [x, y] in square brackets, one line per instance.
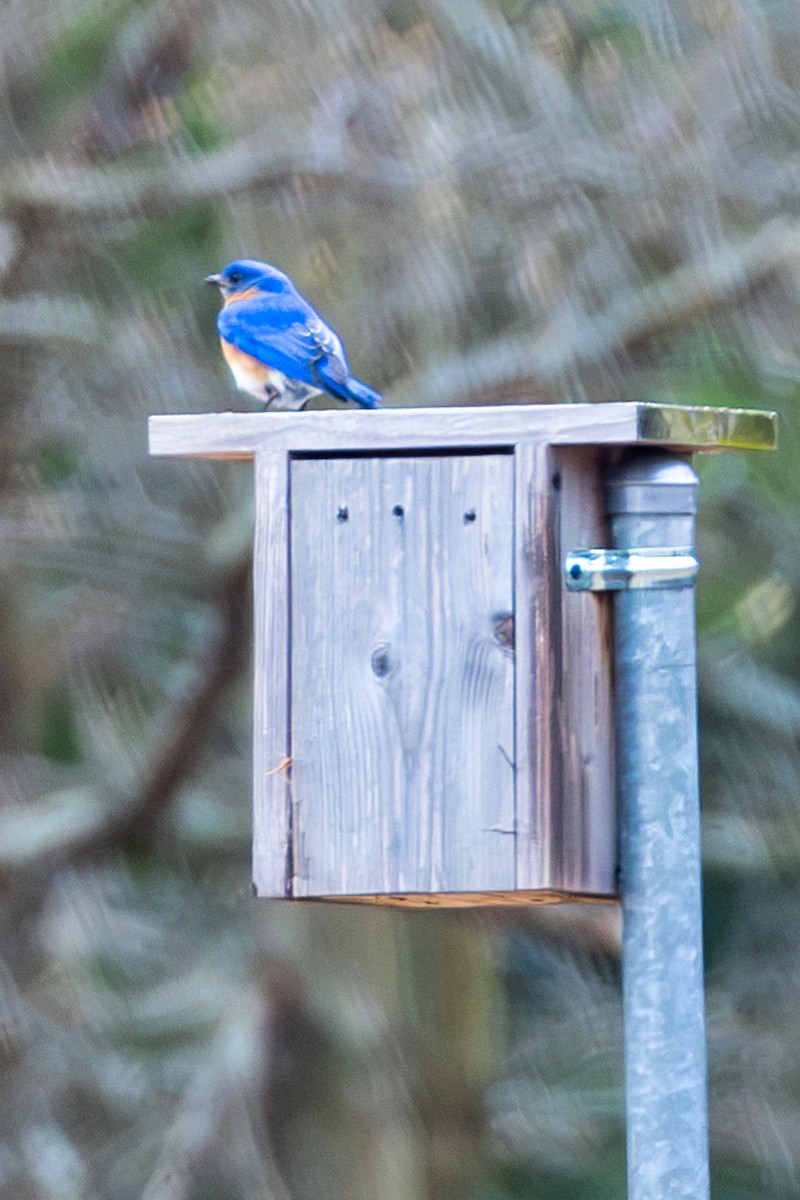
[250, 374]
[247, 294]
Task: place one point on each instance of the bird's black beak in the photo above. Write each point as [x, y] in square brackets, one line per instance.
[215, 279]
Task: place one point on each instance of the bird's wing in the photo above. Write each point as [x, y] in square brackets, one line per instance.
[291, 338]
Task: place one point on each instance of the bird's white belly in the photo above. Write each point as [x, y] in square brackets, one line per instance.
[267, 384]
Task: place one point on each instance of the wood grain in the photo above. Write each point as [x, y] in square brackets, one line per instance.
[585, 843]
[242, 434]
[271, 746]
[402, 697]
[538, 649]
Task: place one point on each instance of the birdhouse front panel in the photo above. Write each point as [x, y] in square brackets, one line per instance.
[402, 674]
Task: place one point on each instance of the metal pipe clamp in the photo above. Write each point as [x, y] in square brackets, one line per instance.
[625, 570]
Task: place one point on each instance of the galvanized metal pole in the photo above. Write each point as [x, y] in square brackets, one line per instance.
[652, 503]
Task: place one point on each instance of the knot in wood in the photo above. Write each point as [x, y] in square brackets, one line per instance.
[381, 660]
[504, 630]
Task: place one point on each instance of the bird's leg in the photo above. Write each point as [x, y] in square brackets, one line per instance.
[272, 394]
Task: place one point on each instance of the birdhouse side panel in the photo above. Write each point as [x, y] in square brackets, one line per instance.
[585, 835]
[402, 725]
[566, 816]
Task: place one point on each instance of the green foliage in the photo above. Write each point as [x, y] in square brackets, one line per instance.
[200, 121]
[59, 739]
[57, 461]
[148, 258]
[75, 61]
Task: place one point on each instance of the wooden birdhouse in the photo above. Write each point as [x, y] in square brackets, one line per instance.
[433, 708]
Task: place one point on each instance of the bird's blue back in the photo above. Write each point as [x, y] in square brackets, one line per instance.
[267, 318]
[281, 330]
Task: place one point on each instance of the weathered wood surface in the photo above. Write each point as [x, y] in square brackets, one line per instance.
[429, 755]
[431, 762]
[583, 844]
[271, 738]
[242, 434]
[538, 646]
[473, 899]
[402, 693]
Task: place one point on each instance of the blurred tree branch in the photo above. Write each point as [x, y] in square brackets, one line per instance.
[698, 289]
[109, 191]
[44, 318]
[77, 825]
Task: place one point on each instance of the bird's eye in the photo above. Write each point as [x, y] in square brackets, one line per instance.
[235, 277]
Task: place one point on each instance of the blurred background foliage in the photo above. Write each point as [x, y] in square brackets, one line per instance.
[493, 201]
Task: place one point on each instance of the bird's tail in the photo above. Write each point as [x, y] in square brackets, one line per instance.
[367, 397]
[338, 383]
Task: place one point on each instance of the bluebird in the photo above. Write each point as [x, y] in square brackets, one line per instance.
[278, 348]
